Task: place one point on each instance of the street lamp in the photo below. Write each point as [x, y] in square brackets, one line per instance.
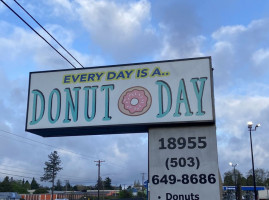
[235, 184]
[250, 124]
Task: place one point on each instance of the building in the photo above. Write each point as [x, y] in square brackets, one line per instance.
[263, 194]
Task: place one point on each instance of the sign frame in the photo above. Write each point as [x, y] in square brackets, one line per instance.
[118, 128]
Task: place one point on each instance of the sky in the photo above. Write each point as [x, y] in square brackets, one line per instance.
[104, 32]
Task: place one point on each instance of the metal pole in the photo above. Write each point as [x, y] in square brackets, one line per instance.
[235, 187]
[253, 171]
[267, 191]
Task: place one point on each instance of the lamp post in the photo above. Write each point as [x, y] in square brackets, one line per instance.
[250, 124]
[235, 182]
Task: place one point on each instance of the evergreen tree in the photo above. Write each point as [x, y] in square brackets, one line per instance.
[18, 187]
[75, 188]
[34, 184]
[27, 185]
[59, 186]
[5, 186]
[53, 166]
[107, 184]
[11, 185]
[228, 178]
[138, 183]
[68, 186]
[99, 184]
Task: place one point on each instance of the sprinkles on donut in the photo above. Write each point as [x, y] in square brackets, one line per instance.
[135, 101]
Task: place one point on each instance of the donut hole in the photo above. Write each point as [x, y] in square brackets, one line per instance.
[134, 101]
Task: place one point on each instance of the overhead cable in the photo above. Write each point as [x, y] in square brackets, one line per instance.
[73, 178]
[37, 33]
[61, 149]
[48, 32]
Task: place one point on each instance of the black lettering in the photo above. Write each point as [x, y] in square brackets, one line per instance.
[168, 196]
[187, 197]
[175, 197]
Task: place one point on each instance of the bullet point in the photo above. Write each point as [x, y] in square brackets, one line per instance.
[159, 197]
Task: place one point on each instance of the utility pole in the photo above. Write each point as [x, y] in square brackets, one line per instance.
[66, 181]
[143, 178]
[99, 177]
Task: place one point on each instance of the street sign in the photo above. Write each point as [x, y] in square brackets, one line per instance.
[146, 183]
[228, 188]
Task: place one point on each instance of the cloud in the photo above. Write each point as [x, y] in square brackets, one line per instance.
[239, 52]
[121, 30]
[179, 29]
[186, 49]
[233, 112]
[16, 42]
[21, 45]
[228, 32]
[60, 8]
[260, 60]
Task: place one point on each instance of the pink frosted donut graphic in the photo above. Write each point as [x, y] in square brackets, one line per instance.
[134, 101]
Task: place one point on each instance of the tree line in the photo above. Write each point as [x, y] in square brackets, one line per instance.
[51, 169]
[21, 186]
[236, 178]
[261, 175]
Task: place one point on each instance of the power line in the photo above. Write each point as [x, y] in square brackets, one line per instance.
[47, 32]
[37, 33]
[61, 149]
[74, 179]
[80, 155]
[32, 177]
[9, 166]
[15, 175]
[20, 172]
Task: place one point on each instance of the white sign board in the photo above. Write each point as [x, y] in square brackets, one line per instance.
[183, 163]
[120, 99]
